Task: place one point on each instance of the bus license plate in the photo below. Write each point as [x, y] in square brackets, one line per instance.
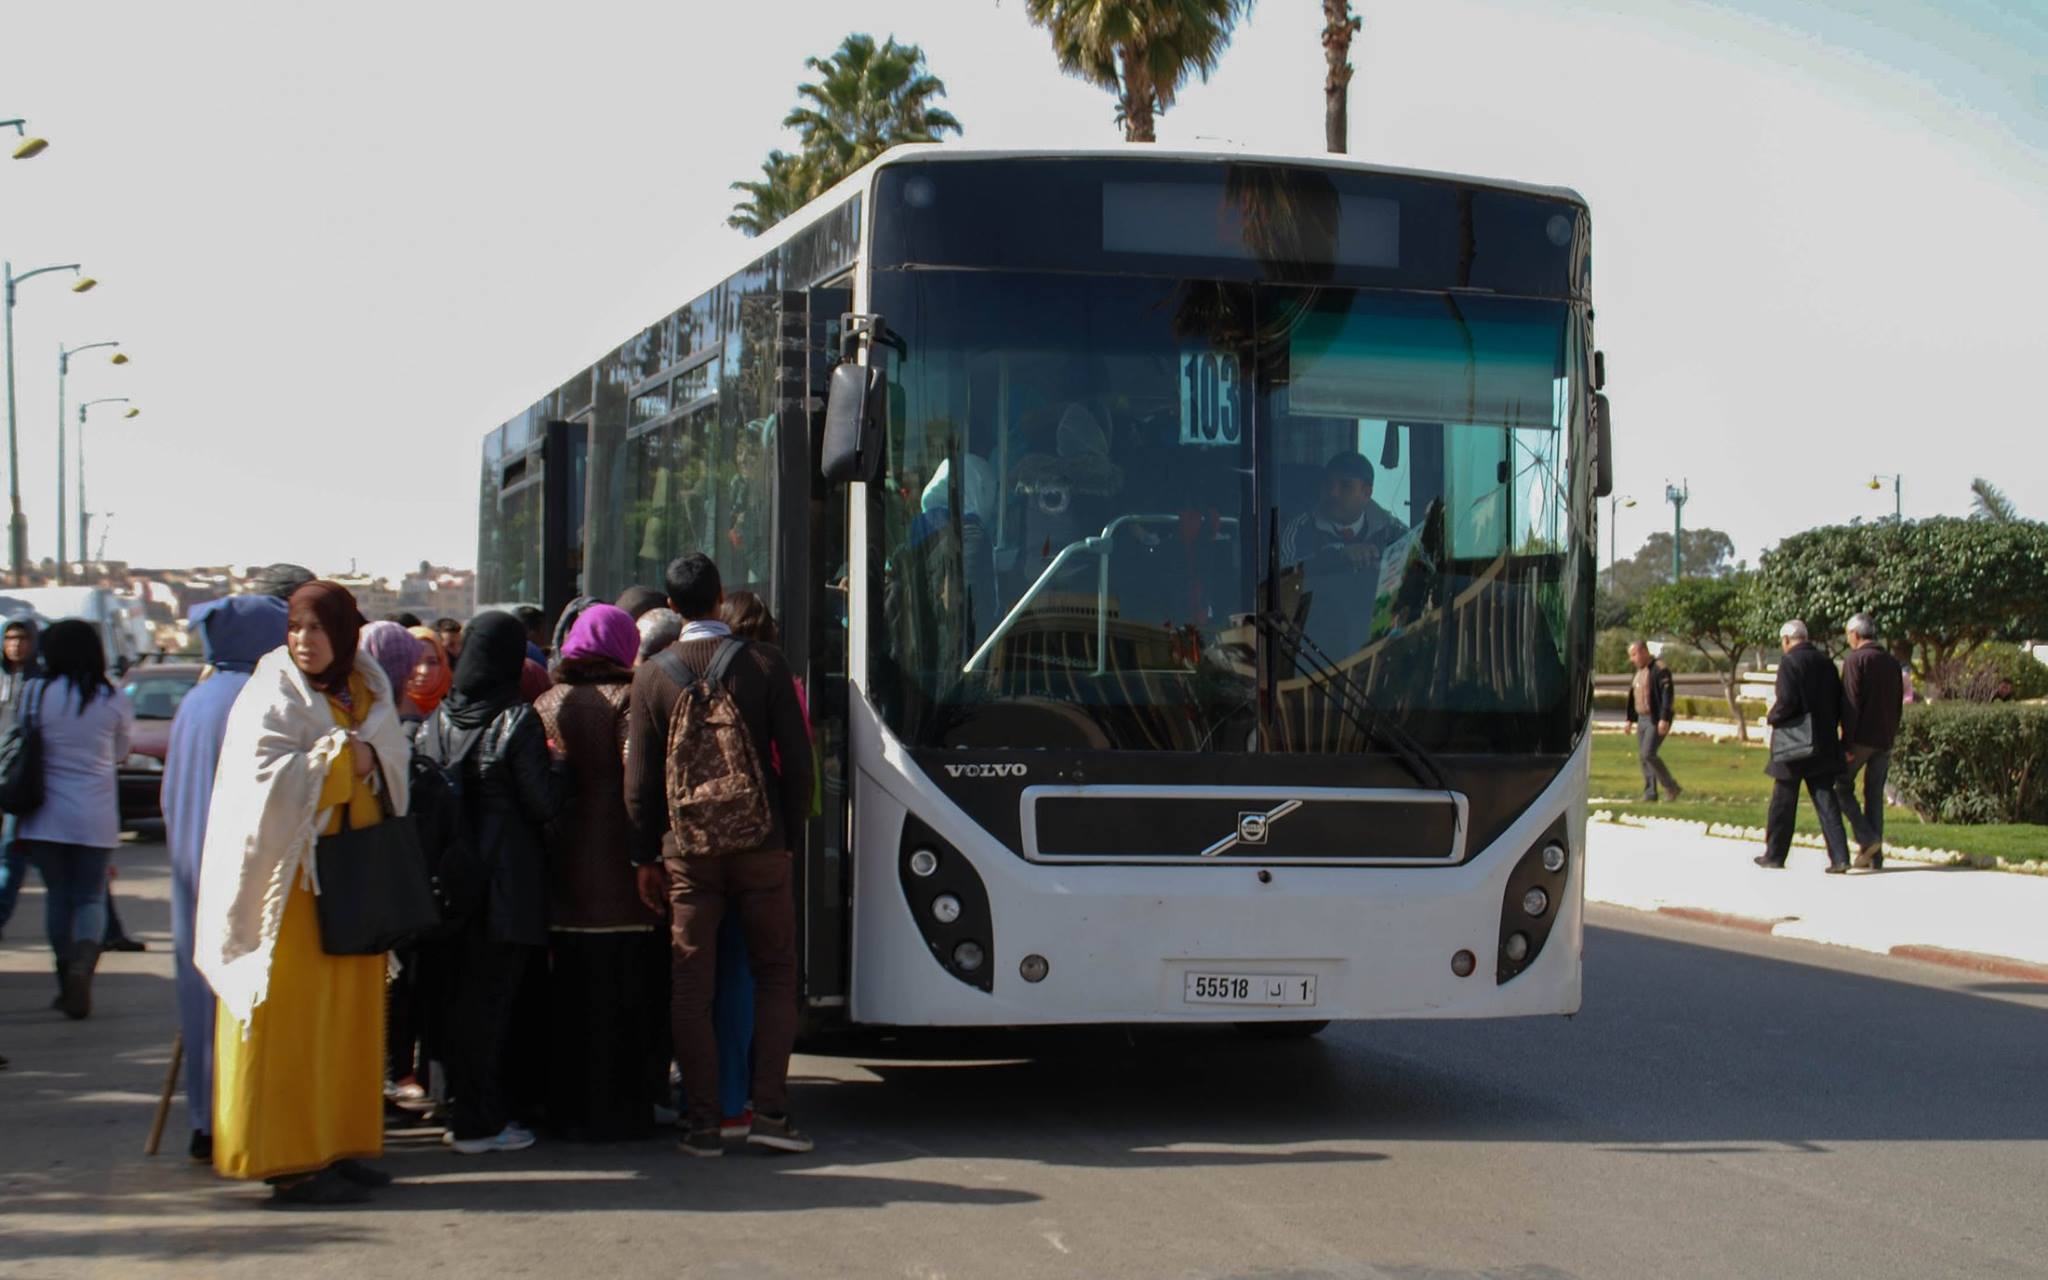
[1270, 989]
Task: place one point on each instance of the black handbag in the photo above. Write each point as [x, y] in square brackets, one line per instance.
[374, 891]
[21, 754]
[1792, 741]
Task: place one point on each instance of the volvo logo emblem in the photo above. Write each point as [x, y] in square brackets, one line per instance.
[987, 770]
[1252, 828]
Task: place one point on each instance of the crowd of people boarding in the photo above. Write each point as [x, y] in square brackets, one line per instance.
[602, 813]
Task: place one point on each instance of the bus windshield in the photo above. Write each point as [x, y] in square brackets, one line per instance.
[1100, 487]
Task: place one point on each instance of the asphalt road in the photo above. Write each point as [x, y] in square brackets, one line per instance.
[1725, 1106]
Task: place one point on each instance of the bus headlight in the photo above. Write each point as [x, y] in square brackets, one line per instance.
[1553, 858]
[968, 955]
[1034, 968]
[1516, 948]
[1531, 901]
[1535, 902]
[945, 908]
[923, 863]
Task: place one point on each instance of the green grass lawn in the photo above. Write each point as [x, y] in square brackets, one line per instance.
[1725, 782]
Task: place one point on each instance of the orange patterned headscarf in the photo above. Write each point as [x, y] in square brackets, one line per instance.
[433, 676]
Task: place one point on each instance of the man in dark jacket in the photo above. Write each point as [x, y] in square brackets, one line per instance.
[1807, 686]
[1650, 702]
[1873, 692]
[698, 888]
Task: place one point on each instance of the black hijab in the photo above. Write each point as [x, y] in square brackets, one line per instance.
[487, 672]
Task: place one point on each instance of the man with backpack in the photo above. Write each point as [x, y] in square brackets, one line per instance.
[714, 829]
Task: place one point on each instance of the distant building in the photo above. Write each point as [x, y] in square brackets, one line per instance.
[438, 592]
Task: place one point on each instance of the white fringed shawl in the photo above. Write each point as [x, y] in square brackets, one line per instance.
[264, 817]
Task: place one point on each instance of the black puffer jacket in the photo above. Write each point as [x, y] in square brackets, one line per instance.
[511, 791]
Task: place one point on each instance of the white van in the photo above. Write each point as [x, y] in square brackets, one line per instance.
[97, 605]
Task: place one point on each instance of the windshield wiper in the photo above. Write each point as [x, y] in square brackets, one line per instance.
[1308, 659]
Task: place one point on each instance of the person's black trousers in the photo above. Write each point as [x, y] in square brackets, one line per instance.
[607, 1024]
[487, 989]
[1784, 812]
[1867, 819]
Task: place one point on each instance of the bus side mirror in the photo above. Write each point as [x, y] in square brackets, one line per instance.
[1603, 447]
[852, 445]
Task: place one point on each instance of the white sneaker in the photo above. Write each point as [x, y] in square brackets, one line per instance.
[510, 1138]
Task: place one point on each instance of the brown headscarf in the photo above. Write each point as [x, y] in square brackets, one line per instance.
[335, 609]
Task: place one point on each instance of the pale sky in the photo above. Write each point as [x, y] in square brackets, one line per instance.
[342, 242]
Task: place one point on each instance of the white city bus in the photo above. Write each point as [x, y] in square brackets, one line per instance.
[1128, 709]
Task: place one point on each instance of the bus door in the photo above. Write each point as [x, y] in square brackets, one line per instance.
[565, 455]
[811, 572]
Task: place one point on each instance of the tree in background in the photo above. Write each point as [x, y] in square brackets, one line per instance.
[1143, 51]
[1709, 553]
[868, 97]
[1937, 589]
[1988, 502]
[1339, 26]
[1726, 618]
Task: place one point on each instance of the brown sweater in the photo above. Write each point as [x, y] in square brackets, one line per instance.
[590, 877]
[765, 693]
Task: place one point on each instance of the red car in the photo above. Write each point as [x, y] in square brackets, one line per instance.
[156, 689]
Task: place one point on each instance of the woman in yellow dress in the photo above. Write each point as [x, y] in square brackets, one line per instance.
[299, 1045]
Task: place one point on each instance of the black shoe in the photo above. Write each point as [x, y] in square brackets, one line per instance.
[778, 1133]
[201, 1149]
[701, 1142]
[324, 1188]
[1877, 858]
[1764, 860]
[126, 943]
[363, 1175]
[78, 970]
[1838, 869]
[1676, 791]
[3, 1062]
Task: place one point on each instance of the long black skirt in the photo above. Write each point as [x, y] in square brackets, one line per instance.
[608, 1034]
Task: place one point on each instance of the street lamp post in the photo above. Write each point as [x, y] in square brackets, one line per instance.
[1614, 504]
[17, 526]
[1677, 495]
[28, 148]
[85, 516]
[64, 355]
[1898, 494]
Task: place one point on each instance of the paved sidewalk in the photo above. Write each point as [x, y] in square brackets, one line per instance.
[1988, 920]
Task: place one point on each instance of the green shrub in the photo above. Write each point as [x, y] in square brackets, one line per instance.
[1685, 707]
[1976, 678]
[1973, 762]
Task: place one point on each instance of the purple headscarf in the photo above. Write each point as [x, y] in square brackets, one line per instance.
[603, 631]
[395, 650]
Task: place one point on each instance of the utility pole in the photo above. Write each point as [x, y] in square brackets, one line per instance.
[1677, 495]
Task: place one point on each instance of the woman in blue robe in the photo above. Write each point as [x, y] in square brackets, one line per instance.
[236, 633]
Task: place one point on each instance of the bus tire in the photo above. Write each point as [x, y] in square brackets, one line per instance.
[1281, 1030]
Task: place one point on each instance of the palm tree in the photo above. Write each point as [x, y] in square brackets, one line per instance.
[787, 182]
[868, 98]
[1988, 502]
[1339, 25]
[1141, 50]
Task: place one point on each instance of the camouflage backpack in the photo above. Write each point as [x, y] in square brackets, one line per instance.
[716, 801]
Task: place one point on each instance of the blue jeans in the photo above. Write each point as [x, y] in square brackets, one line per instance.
[74, 892]
[13, 870]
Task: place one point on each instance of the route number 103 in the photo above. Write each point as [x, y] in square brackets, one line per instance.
[1209, 393]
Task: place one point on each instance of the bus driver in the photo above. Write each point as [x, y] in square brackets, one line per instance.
[1334, 552]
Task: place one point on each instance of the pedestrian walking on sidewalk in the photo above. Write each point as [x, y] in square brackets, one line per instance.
[19, 663]
[1650, 702]
[1873, 693]
[85, 724]
[1809, 698]
[313, 743]
[713, 830]
[234, 633]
